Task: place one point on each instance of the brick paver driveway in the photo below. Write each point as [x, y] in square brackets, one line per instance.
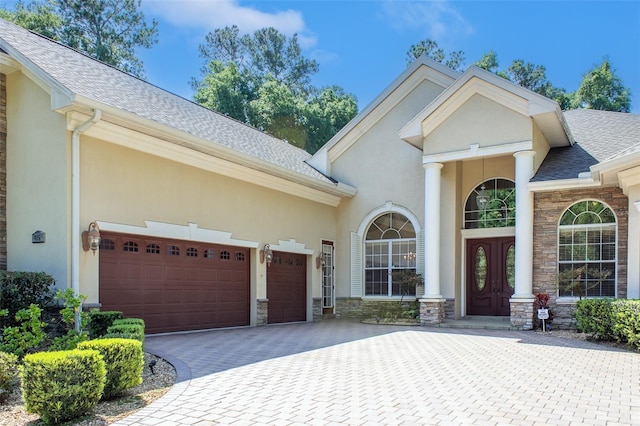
[342, 372]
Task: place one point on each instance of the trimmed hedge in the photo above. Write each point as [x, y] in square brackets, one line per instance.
[126, 331]
[127, 321]
[18, 290]
[100, 321]
[124, 361]
[8, 374]
[609, 319]
[62, 385]
[626, 321]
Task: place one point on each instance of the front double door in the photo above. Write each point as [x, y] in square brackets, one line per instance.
[490, 275]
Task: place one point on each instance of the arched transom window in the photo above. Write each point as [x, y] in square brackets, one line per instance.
[492, 204]
[587, 251]
[390, 246]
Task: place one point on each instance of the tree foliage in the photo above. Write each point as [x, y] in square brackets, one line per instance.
[600, 88]
[107, 30]
[263, 79]
[430, 48]
[603, 90]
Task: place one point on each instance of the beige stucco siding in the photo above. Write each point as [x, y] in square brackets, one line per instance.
[478, 121]
[383, 168]
[39, 198]
[124, 186]
[540, 146]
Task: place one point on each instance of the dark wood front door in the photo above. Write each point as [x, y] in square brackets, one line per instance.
[490, 275]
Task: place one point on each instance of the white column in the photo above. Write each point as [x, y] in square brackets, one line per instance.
[524, 226]
[432, 230]
[633, 244]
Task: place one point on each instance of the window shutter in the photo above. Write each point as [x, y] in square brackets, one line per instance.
[356, 265]
[420, 260]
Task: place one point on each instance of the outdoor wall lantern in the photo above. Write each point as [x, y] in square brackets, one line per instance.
[320, 260]
[266, 255]
[91, 238]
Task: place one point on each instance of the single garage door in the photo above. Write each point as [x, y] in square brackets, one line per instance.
[174, 285]
[287, 288]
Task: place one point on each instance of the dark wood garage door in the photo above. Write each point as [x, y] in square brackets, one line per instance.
[287, 288]
[174, 285]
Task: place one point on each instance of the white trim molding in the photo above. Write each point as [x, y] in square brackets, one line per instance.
[476, 151]
[189, 232]
[291, 246]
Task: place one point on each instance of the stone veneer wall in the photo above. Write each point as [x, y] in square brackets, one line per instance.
[263, 312]
[549, 206]
[358, 308]
[3, 172]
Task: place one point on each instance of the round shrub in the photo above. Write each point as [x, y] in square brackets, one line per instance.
[128, 331]
[124, 362]
[63, 385]
[8, 374]
[99, 321]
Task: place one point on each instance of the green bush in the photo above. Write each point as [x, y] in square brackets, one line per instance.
[27, 335]
[8, 374]
[19, 290]
[127, 331]
[595, 317]
[124, 361]
[59, 386]
[100, 321]
[137, 321]
[626, 317]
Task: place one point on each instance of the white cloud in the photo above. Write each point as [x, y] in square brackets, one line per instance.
[439, 20]
[207, 15]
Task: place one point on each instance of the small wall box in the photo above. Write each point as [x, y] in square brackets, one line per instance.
[39, 237]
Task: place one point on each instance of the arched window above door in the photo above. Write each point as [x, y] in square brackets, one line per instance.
[492, 204]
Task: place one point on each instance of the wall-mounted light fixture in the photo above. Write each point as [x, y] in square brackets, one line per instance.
[321, 260]
[91, 238]
[266, 255]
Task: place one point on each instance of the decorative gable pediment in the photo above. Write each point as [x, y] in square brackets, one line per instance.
[483, 106]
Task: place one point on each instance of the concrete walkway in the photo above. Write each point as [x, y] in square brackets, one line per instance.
[342, 372]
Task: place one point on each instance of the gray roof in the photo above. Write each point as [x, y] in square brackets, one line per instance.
[599, 136]
[104, 84]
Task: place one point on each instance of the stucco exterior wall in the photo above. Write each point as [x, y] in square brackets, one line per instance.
[38, 198]
[383, 168]
[123, 186]
[478, 121]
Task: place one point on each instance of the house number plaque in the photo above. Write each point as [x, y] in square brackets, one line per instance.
[39, 237]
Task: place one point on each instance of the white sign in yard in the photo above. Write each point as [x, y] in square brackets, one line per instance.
[543, 314]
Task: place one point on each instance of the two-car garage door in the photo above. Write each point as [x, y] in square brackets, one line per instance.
[174, 285]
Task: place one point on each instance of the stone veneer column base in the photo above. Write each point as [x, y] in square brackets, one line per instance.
[263, 312]
[431, 311]
[522, 313]
[317, 308]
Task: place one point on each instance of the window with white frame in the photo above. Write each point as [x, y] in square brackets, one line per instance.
[587, 252]
[390, 246]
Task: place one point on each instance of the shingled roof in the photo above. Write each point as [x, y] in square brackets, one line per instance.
[599, 136]
[104, 84]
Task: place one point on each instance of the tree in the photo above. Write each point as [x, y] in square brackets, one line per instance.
[328, 111]
[528, 75]
[107, 30]
[37, 17]
[428, 47]
[601, 89]
[263, 80]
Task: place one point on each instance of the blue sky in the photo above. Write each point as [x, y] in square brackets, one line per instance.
[361, 45]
